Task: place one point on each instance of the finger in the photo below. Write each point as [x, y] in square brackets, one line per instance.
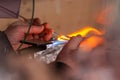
[48, 35]
[36, 29]
[48, 32]
[46, 25]
[30, 36]
[35, 36]
[68, 54]
[37, 22]
[74, 43]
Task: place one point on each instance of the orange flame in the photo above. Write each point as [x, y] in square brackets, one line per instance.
[83, 32]
[90, 42]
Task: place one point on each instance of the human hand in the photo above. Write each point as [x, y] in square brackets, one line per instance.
[86, 65]
[17, 31]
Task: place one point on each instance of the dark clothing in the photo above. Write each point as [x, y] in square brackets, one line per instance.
[5, 47]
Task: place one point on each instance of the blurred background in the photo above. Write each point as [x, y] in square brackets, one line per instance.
[67, 16]
[64, 16]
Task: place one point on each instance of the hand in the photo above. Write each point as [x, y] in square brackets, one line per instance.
[69, 52]
[17, 31]
[84, 64]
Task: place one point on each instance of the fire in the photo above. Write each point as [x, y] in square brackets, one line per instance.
[83, 32]
[89, 43]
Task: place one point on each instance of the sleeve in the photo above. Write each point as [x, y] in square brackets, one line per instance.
[5, 47]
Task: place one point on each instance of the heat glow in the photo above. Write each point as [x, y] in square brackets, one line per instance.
[90, 42]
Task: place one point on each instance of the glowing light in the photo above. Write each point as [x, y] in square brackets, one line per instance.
[91, 43]
[83, 32]
[62, 38]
